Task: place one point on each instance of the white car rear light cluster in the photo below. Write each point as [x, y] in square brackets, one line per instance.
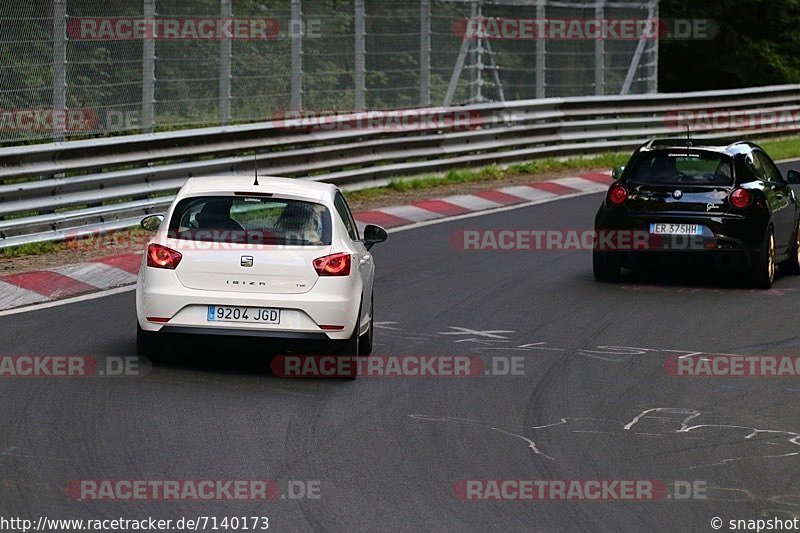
[333, 265]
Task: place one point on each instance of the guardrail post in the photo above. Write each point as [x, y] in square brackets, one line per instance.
[600, 52]
[226, 12]
[425, 53]
[59, 66]
[360, 52]
[297, 32]
[149, 68]
[541, 53]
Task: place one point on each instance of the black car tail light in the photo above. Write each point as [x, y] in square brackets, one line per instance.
[617, 194]
[740, 198]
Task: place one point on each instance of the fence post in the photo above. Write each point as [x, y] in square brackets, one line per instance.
[541, 53]
[59, 66]
[652, 82]
[476, 56]
[226, 12]
[360, 52]
[149, 68]
[599, 52]
[630, 77]
[425, 53]
[297, 32]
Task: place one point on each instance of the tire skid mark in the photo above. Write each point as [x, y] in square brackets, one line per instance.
[750, 433]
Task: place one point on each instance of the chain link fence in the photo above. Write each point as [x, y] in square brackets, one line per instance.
[81, 68]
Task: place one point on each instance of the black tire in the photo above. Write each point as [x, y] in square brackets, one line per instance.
[792, 264]
[350, 348]
[762, 272]
[605, 266]
[366, 340]
[146, 343]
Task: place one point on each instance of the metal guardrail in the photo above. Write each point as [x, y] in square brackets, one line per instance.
[56, 191]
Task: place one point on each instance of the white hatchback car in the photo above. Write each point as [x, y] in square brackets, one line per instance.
[276, 258]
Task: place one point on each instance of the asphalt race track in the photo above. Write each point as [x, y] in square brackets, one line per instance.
[595, 401]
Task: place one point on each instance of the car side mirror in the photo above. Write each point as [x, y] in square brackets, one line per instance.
[373, 235]
[152, 222]
[617, 173]
[793, 177]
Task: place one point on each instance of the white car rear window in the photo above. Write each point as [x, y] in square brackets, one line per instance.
[251, 220]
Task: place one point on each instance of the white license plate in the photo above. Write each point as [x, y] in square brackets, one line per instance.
[257, 315]
[676, 229]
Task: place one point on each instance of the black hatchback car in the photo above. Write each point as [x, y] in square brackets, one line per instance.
[728, 202]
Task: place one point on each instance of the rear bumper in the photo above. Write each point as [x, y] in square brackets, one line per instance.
[331, 302]
[734, 260]
[279, 335]
[724, 234]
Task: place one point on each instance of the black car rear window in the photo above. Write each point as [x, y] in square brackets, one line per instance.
[251, 220]
[681, 168]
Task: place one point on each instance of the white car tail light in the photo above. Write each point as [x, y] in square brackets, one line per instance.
[333, 265]
[162, 257]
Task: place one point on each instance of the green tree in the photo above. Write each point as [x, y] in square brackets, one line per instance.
[757, 45]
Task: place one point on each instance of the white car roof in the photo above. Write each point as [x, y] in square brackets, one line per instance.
[298, 188]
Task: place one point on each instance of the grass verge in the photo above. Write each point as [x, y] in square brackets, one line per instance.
[492, 173]
[783, 148]
[119, 238]
[32, 248]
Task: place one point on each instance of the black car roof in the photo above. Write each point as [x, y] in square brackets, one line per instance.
[721, 146]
